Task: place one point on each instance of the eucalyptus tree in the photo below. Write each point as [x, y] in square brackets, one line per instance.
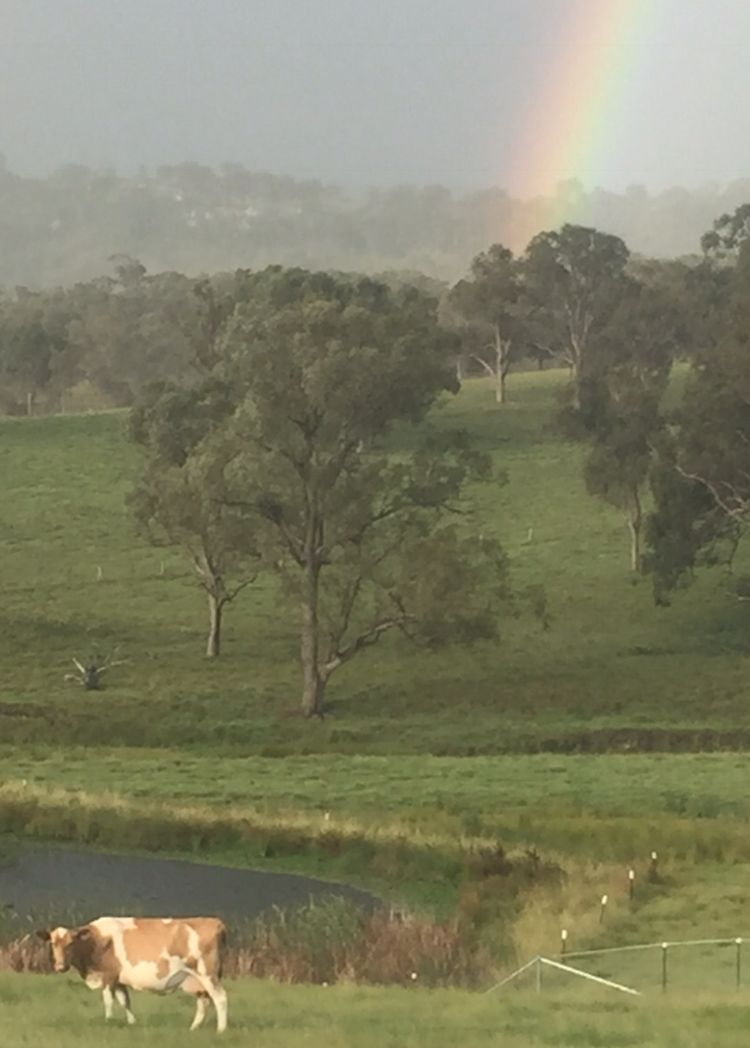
[491, 305]
[621, 413]
[358, 512]
[574, 279]
[702, 483]
[180, 497]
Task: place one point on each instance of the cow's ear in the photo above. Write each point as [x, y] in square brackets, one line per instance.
[43, 934]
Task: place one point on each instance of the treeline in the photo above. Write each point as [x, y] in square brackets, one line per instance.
[100, 343]
[189, 218]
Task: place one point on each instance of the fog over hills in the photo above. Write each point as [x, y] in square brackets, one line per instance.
[400, 135]
[65, 227]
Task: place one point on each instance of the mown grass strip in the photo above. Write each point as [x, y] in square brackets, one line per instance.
[58, 1011]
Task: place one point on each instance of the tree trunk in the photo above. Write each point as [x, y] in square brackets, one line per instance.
[313, 690]
[215, 612]
[575, 379]
[500, 388]
[500, 369]
[313, 686]
[635, 520]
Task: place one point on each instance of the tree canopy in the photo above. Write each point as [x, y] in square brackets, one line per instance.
[575, 278]
[491, 306]
[702, 482]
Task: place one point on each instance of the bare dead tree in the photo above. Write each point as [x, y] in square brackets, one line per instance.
[90, 673]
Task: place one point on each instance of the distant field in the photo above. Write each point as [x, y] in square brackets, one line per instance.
[484, 788]
[611, 662]
[56, 1010]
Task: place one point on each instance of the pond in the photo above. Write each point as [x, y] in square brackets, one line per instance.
[48, 880]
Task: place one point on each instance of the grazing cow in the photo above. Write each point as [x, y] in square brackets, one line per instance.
[115, 954]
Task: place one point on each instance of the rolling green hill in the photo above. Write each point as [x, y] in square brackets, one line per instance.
[612, 672]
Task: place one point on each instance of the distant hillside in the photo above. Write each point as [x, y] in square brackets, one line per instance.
[612, 672]
[190, 218]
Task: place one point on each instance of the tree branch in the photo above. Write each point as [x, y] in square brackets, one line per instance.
[734, 505]
[487, 367]
[232, 593]
[364, 640]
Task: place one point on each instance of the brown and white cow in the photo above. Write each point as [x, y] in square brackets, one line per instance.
[117, 954]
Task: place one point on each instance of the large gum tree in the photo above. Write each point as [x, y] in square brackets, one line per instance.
[361, 515]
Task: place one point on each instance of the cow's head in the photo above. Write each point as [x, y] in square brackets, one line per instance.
[66, 944]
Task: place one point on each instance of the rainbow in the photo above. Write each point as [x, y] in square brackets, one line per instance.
[573, 116]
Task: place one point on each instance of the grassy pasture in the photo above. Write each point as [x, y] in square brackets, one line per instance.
[423, 760]
[610, 661]
[58, 1010]
[431, 790]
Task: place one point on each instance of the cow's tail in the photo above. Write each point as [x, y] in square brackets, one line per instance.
[222, 946]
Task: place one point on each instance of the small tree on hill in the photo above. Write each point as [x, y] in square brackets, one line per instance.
[620, 409]
[489, 302]
[180, 498]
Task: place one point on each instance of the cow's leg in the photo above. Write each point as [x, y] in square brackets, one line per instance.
[219, 998]
[201, 1007]
[123, 998]
[108, 1000]
[197, 982]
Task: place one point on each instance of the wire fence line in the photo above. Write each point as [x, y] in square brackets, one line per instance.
[538, 963]
[735, 940]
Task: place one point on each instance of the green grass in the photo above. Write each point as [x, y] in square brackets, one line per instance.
[423, 759]
[610, 663]
[418, 787]
[56, 1010]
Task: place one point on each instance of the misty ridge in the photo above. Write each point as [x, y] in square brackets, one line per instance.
[194, 219]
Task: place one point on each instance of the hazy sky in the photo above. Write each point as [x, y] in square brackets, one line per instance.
[367, 92]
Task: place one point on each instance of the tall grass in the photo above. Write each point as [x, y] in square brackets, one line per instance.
[335, 942]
